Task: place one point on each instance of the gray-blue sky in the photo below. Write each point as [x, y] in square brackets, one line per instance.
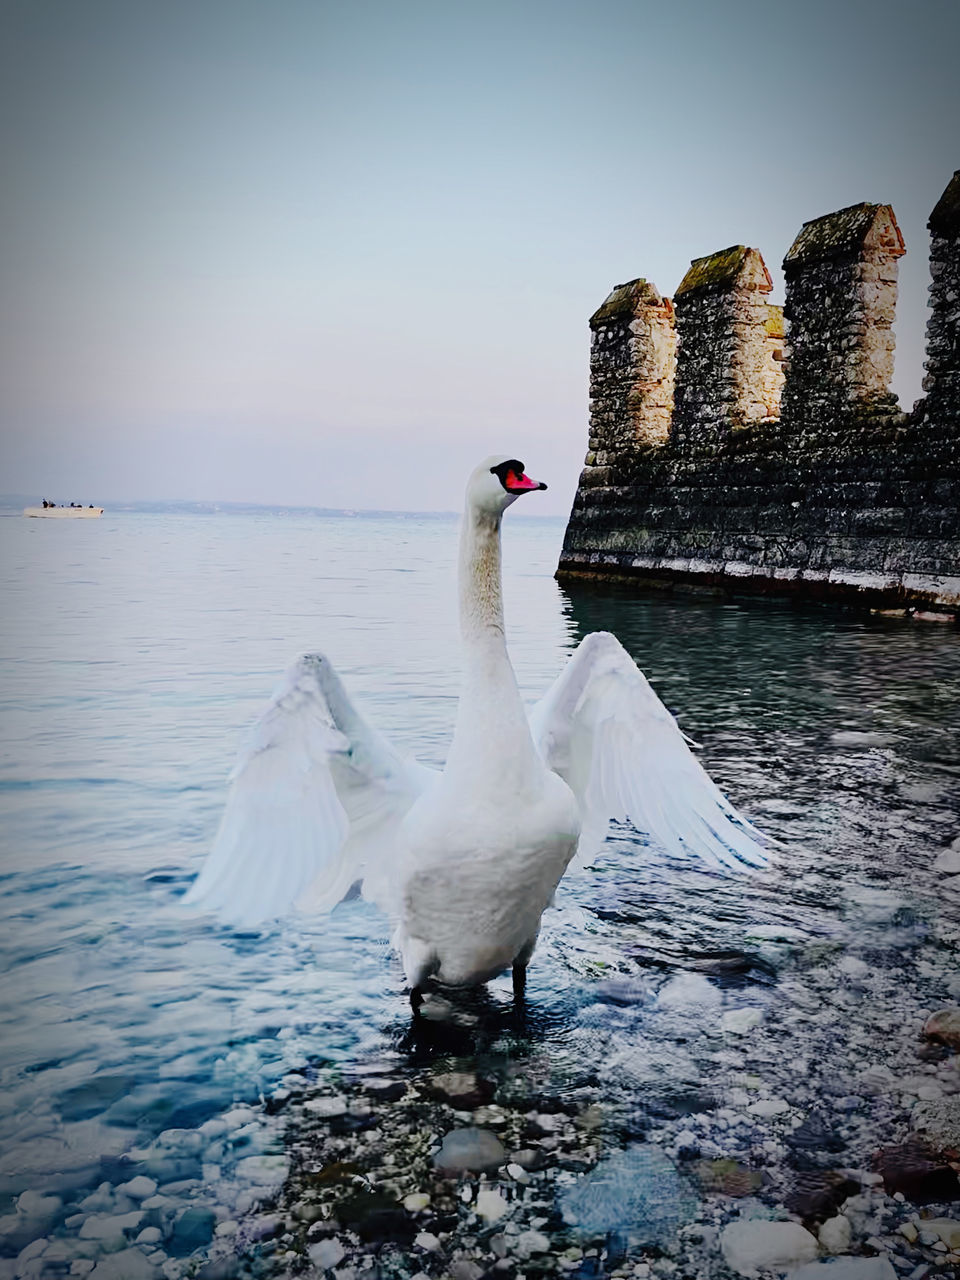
[334, 253]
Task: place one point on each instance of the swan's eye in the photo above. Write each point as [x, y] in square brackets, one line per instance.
[507, 472]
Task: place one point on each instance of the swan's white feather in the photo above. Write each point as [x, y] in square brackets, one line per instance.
[465, 861]
[602, 728]
[315, 798]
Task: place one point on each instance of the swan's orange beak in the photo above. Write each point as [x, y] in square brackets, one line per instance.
[521, 483]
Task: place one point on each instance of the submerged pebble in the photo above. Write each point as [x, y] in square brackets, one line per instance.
[470, 1149]
[752, 1246]
[638, 1191]
[880, 1268]
[944, 1025]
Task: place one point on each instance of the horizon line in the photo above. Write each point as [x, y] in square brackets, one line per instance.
[19, 500]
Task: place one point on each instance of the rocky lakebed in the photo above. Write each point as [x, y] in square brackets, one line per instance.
[789, 1107]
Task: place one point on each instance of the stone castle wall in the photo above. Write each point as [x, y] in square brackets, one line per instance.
[727, 454]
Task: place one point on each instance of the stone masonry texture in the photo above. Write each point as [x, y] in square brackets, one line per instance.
[701, 478]
[841, 274]
[632, 364]
[726, 376]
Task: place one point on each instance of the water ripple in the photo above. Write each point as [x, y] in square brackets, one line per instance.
[125, 1015]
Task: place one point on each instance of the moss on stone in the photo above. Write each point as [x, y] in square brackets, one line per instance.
[716, 269]
[774, 322]
[945, 219]
[836, 233]
[625, 298]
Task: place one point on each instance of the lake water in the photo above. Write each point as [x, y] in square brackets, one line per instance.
[136, 649]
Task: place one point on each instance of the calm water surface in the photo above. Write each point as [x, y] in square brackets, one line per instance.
[137, 648]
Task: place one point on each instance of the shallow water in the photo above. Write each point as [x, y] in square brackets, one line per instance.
[136, 649]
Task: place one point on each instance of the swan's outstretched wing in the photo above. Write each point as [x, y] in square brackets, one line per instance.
[606, 733]
[315, 797]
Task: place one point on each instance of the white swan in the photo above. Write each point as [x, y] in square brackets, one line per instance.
[465, 860]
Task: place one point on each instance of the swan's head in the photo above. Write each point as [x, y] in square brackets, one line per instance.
[498, 481]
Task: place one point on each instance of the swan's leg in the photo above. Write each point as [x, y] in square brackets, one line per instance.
[520, 963]
[419, 965]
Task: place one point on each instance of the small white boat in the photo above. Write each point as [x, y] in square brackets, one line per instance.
[64, 513]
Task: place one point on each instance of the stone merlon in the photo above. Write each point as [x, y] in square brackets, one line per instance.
[624, 299]
[945, 219]
[848, 231]
[632, 365]
[725, 269]
[727, 373]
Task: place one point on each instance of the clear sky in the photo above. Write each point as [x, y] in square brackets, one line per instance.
[334, 252]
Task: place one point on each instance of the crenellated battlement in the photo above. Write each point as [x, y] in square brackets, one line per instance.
[735, 443]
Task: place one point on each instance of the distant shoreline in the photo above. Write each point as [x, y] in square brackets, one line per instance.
[13, 504]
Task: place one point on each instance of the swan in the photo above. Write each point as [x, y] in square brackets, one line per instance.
[464, 860]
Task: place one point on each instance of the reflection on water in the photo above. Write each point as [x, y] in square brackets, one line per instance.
[133, 654]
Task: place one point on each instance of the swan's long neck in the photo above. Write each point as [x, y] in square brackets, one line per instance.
[492, 739]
